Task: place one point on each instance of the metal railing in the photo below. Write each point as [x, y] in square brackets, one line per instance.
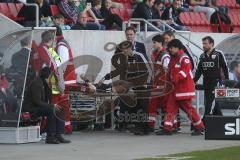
[148, 22]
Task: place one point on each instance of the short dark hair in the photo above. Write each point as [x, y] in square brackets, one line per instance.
[158, 38]
[209, 38]
[130, 28]
[47, 36]
[96, 2]
[233, 64]
[58, 16]
[25, 41]
[58, 30]
[169, 33]
[125, 45]
[45, 72]
[158, 2]
[175, 43]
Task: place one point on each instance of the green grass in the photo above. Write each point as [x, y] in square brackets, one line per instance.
[231, 153]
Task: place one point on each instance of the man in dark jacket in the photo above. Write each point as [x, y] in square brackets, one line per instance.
[171, 15]
[212, 64]
[38, 102]
[133, 68]
[144, 10]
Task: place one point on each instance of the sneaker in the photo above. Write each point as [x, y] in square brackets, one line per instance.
[163, 132]
[51, 140]
[198, 132]
[61, 139]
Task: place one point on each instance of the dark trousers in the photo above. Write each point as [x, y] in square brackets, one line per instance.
[209, 102]
[110, 20]
[55, 124]
[137, 115]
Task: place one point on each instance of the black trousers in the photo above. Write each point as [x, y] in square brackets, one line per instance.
[55, 124]
[209, 102]
[110, 20]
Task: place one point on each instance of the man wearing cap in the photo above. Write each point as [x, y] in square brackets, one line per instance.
[133, 67]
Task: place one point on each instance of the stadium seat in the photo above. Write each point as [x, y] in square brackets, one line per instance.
[19, 6]
[54, 10]
[10, 10]
[227, 3]
[13, 9]
[196, 21]
[5, 10]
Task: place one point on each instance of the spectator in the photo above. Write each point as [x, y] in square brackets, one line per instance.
[234, 73]
[103, 13]
[171, 15]
[29, 13]
[38, 102]
[82, 23]
[201, 6]
[156, 10]
[58, 20]
[83, 7]
[143, 10]
[69, 9]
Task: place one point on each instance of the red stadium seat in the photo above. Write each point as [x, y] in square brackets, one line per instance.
[54, 10]
[19, 6]
[10, 10]
[5, 10]
[13, 9]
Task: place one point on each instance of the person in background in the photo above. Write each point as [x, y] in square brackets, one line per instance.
[144, 10]
[234, 73]
[160, 58]
[38, 102]
[212, 64]
[171, 16]
[65, 52]
[130, 34]
[59, 20]
[104, 13]
[83, 24]
[180, 75]
[29, 13]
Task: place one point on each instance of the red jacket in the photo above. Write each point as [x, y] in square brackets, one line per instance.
[160, 61]
[69, 74]
[181, 76]
[45, 57]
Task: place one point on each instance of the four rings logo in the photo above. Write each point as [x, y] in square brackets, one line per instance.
[208, 64]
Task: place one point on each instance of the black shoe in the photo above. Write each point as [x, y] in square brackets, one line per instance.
[51, 140]
[198, 132]
[163, 132]
[61, 139]
[139, 130]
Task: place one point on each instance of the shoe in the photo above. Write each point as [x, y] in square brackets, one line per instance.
[198, 132]
[163, 132]
[61, 139]
[51, 140]
[139, 130]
